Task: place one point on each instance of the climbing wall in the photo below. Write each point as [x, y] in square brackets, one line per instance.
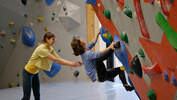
[146, 28]
[64, 18]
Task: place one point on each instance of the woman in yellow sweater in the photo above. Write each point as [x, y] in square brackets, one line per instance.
[42, 58]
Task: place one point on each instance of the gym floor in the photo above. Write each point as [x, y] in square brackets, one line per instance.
[75, 90]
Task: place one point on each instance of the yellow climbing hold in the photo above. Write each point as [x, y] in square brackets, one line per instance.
[105, 35]
[46, 29]
[11, 84]
[11, 24]
[12, 41]
[40, 19]
[122, 68]
[90, 7]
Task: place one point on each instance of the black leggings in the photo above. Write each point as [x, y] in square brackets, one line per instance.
[104, 74]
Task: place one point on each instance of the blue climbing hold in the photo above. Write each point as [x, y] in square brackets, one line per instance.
[92, 2]
[171, 1]
[103, 31]
[49, 2]
[174, 81]
[28, 36]
[166, 76]
[121, 54]
[54, 70]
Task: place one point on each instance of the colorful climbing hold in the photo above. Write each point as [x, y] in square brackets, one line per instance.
[46, 29]
[151, 94]
[136, 66]
[168, 30]
[12, 41]
[92, 2]
[2, 33]
[59, 50]
[174, 81]
[24, 2]
[105, 35]
[1, 46]
[28, 36]
[11, 24]
[141, 53]
[49, 2]
[54, 70]
[25, 15]
[53, 16]
[171, 1]
[11, 84]
[124, 37]
[109, 37]
[98, 4]
[155, 69]
[122, 68]
[40, 19]
[31, 24]
[18, 84]
[107, 14]
[166, 76]
[76, 73]
[131, 71]
[128, 11]
[91, 7]
[18, 74]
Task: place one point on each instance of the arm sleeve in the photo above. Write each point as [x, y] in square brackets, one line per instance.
[55, 54]
[91, 45]
[43, 52]
[93, 55]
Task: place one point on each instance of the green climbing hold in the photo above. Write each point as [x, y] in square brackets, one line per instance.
[52, 18]
[131, 71]
[107, 14]
[25, 15]
[124, 37]
[53, 14]
[141, 53]
[18, 74]
[128, 11]
[109, 37]
[151, 94]
[168, 30]
[18, 84]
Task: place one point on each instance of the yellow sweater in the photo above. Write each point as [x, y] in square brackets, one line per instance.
[39, 59]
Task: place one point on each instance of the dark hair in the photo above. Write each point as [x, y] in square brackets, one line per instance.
[48, 35]
[77, 47]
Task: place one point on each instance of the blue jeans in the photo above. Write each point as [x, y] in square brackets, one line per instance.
[30, 81]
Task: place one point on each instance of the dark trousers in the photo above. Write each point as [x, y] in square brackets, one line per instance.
[30, 81]
[104, 74]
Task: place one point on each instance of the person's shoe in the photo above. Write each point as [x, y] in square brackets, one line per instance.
[128, 88]
[24, 2]
[117, 45]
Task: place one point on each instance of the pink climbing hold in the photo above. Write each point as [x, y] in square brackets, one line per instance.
[2, 33]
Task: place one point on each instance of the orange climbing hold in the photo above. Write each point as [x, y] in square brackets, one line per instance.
[155, 69]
